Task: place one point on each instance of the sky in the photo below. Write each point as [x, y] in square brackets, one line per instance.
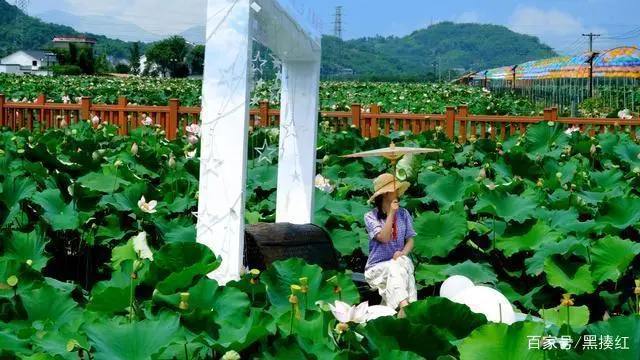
[558, 23]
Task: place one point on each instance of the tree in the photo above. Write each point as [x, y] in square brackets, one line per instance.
[170, 55]
[134, 58]
[124, 69]
[196, 60]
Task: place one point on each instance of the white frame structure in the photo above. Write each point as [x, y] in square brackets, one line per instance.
[291, 32]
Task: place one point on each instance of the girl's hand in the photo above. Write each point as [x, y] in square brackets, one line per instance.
[394, 206]
[397, 255]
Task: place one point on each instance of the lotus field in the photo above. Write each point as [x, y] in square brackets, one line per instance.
[99, 258]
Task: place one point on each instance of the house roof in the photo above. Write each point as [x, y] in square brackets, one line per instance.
[36, 54]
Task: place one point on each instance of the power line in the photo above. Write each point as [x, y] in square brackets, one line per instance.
[337, 24]
[591, 36]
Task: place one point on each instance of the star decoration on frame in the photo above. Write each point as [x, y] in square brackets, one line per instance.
[265, 153]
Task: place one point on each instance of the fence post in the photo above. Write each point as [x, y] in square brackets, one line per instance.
[355, 115]
[264, 114]
[172, 125]
[41, 100]
[374, 130]
[554, 113]
[450, 120]
[85, 108]
[547, 115]
[123, 122]
[2, 101]
[463, 111]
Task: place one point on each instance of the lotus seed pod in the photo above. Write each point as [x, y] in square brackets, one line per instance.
[29, 262]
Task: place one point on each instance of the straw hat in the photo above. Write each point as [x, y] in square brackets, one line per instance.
[384, 184]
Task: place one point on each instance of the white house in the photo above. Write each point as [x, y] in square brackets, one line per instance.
[27, 62]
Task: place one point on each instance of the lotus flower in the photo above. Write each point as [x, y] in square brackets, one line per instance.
[190, 154]
[63, 123]
[147, 121]
[231, 355]
[359, 314]
[193, 129]
[571, 130]
[66, 99]
[625, 114]
[192, 139]
[141, 247]
[95, 120]
[323, 184]
[148, 207]
[134, 149]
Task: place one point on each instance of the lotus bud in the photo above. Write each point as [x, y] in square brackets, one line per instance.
[134, 149]
[74, 132]
[592, 150]
[95, 120]
[540, 183]
[29, 262]
[63, 124]
[566, 300]
[95, 156]
[172, 162]
[118, 163]
[637, 289]
[482, 174]
[30, 138]
[231, 355]
[102, 151]
[184, 301]
[72, 344]
[636, 170]
[12, 280]
[558, 175]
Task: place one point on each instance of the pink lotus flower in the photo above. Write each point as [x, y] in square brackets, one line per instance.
[190, 154]
[147, 121]
[193, 129]
[63, 123]
[95, 120]
[571, 130]
[192, 139]
[323, 184]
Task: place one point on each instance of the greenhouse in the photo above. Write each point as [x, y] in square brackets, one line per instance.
[611, 77]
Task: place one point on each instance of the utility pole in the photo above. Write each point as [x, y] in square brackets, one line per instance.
[337, 24]
[591, 36]
[22, 5]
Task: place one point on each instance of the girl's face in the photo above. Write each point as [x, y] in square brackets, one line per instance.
[390, 196]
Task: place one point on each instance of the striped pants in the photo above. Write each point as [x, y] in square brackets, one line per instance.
[394, 281]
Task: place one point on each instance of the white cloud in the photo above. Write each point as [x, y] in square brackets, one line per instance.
[468, 17]
[558, 29]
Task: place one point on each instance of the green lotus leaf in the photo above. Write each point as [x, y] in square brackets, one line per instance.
[137, 341]
[611, 257]
[477, 272]
[501, 341]
[539, 235]
[535, 264]
[282, 274]
[102, 182]
[256, 326]
[50, 305]
[60, 215]
[429, 274]
[624, 332]
[386, 334]
[178, 265]
[456, 319]
[346, 241]
[15, 190]
[506, 206]
[438, 234]
[571, 315]
[446, 190]
[623, 212]
[545, 140]
[629, 153]
[179, 229]
[264, 177]
[126, 200]
[574, 277]
[27, 249]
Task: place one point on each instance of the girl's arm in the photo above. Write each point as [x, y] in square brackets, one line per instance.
[384, 236]
[408, 246]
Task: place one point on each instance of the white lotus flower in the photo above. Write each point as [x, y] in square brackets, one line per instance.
[141, 247]
[193, 129]
[486, 91]
[323, 184]
[359, 314]
[190, 154]
[625, 114]
[148, 207]
[95, 120]
[66, 99]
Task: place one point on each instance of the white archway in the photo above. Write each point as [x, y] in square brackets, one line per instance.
[291, 31]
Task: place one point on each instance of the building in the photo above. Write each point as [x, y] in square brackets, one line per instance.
[27, 62]
[63, 42]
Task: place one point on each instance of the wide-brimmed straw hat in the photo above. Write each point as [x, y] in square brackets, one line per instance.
[384, 184]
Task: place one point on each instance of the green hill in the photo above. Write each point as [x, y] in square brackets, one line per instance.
[450, 45]
[38, 35]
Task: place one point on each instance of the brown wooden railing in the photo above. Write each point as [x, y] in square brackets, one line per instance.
[455, 122]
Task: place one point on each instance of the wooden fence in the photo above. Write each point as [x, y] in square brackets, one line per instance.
[457, 123]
